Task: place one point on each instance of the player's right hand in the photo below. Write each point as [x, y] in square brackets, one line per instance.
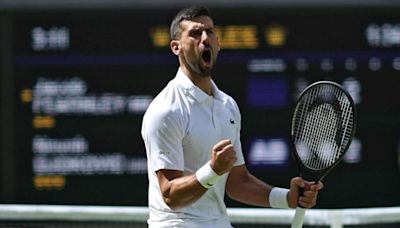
[223, 157]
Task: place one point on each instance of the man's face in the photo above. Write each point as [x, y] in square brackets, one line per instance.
[199, 45]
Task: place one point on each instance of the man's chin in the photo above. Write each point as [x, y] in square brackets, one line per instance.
[206, 72]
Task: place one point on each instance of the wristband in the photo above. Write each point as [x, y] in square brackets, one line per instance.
[206, 176]
[278, 198]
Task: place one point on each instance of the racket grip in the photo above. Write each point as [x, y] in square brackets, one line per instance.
[298, 218]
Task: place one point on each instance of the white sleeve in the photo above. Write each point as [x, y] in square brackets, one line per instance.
[163, 134]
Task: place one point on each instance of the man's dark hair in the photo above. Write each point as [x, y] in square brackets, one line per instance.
[186, 14]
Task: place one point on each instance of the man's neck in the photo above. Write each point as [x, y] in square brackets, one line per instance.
[204, 83]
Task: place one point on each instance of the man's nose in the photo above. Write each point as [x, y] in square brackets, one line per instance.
[204, 37]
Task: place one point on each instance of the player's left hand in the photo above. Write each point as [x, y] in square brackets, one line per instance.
[310, 192]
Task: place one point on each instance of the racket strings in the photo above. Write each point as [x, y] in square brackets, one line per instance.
[348, 121]
[321, 139]
[347, 117]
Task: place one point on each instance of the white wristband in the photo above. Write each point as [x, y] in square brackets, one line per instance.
[206, 176]
[278, 198]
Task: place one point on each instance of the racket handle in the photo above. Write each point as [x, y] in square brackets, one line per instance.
[298, 218]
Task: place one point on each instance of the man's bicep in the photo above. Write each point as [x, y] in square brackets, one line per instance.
[165, 176]
[168, 174]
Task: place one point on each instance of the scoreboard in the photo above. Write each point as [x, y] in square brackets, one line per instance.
[82, 80]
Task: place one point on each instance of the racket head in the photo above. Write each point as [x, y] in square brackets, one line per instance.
[323, 125]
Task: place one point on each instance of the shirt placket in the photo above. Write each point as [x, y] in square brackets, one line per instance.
[215, 110]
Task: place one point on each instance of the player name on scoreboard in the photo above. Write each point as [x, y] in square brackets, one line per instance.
[232, 36]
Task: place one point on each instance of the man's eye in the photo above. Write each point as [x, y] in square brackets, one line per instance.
[196, 33]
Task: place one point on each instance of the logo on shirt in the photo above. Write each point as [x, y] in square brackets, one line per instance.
[209, 185]
[231, 121]
[164, 152]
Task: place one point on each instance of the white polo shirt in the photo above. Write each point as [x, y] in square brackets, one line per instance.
[179, 129]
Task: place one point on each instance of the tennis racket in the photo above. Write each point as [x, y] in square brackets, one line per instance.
[323, 125]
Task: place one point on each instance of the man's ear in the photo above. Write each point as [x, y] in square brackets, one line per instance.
[175, 46]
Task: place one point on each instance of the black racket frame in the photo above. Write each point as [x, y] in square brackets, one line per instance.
[313, 174]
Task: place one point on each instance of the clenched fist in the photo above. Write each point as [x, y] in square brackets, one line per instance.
[223, 157]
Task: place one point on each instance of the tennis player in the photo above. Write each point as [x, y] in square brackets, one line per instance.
[191, 131]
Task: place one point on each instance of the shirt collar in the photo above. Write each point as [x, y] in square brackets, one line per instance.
[198, 94]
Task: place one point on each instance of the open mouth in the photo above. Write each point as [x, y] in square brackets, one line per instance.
[206, 56]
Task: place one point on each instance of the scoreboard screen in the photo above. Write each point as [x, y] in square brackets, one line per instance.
[84, 78]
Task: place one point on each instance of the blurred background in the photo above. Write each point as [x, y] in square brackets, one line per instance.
[77, 76]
